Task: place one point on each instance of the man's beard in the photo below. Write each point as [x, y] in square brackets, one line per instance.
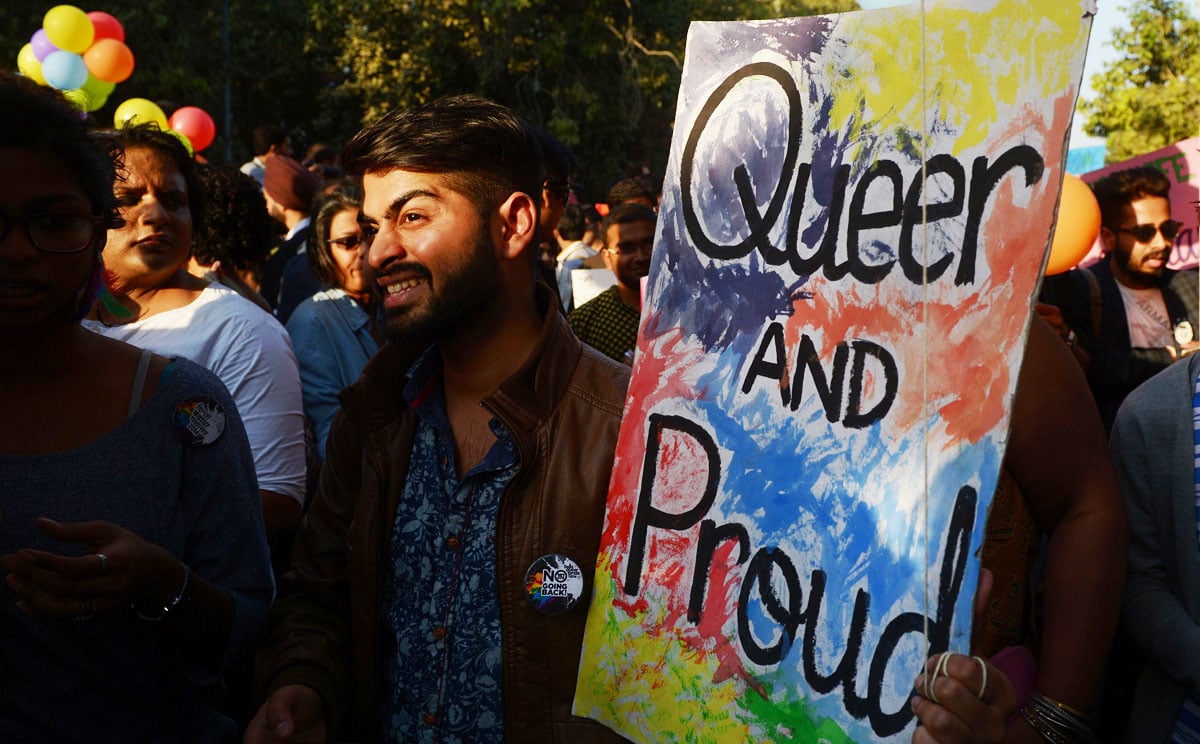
[458, 298]
[1148, 277]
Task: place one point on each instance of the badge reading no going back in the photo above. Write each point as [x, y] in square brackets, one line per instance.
[553, 584]
[199, 420]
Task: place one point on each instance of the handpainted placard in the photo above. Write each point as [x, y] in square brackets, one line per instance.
[854, 219]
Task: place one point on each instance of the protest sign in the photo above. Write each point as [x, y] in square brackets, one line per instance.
[855, 215]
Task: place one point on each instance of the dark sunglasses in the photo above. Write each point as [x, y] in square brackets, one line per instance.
[1145, 233]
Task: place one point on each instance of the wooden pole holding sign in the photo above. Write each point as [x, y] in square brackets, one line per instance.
[854, 220]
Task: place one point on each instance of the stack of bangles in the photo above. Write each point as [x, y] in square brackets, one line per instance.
[1056, 722]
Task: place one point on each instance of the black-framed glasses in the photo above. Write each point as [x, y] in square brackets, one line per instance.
[55, 232]
[350, 242]
[1145, 233]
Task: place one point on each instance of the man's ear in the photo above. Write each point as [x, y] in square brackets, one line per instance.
[1108, 239]
[610, 259]
[518, 224]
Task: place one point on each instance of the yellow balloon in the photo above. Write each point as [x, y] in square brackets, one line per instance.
[79, 98]
[69, 28]
[139, 111]
[29, 65]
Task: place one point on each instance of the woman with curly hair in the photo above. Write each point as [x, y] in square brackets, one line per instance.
[234, 239]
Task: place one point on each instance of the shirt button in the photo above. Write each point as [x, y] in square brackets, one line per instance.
[453, 543]
[429, 719]
[439, 633]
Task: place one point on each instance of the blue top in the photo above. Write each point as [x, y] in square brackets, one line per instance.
[332, 340]
[440, 608]
[115, 677]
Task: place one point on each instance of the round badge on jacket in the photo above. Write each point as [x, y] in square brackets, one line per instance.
[199, 420]
[1183, 333]
[553, 584]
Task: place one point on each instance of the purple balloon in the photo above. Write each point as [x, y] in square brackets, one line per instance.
[42, 45]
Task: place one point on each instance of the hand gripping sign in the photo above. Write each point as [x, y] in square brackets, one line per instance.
[854, 219]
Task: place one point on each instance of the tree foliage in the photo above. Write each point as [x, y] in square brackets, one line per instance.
[1149, 97]
[601, 75]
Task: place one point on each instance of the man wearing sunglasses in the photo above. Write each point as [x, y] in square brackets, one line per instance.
[1129, 316]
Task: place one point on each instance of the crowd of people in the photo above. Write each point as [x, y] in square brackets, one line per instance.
[282, 444]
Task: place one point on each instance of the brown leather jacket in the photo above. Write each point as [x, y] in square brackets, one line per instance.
[564, 409]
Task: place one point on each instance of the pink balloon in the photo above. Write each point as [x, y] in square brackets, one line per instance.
[42, 45]
[107, 27]
[195, 124]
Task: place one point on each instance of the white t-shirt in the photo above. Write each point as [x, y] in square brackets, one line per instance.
[1146, 313]
[251, 353]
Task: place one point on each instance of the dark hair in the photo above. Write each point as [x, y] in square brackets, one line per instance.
[637, 188]
[623, 214]
[319, 152]
[572, 224]
[150, 137]
[558, 161]
[236, 230]
[38, 119]
[320, 255]
[266, 135]
[486, 150]
[1117, 190]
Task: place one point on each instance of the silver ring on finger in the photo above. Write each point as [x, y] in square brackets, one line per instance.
[103, 562]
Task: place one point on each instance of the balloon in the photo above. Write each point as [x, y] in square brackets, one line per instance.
[68, 28]
[1075, 227]
[29, 65]
[187, 143]
[139, 111]
[79, 98]
[106, 26]
[196, 124]
[109, 60]
[42, 44]
[98, 88]
[64, 70]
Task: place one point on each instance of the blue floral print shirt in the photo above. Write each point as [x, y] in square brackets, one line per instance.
[440, 609]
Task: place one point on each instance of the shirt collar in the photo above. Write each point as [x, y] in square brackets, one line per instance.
[303, 223]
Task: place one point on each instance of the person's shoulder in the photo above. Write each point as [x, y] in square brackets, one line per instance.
[1163, 394]
[1187, 278]
[320, 309]
[583, 313]
[187, 379]
[603, 381]
[238, 320]
[218, 299]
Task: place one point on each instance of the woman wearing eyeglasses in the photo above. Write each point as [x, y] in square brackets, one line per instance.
[131, 540]
[334, 332]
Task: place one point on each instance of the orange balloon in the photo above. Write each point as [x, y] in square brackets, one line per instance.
[1076, 226]
[109, 60]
